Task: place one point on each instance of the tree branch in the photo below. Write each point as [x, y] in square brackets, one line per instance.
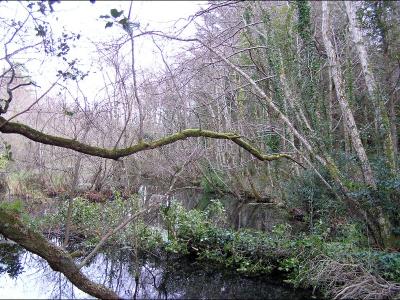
[59, 260]
[37, 136]
[112, 231]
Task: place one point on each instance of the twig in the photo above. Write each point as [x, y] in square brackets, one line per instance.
[113, 231]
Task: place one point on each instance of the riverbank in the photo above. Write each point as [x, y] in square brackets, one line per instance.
[335, 266]
[340, 266]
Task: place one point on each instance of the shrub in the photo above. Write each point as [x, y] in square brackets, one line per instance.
[309, 193]
[93, 220]
[197, 232]
[212, 182]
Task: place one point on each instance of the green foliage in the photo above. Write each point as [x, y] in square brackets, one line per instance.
[389, 265]
[196, 232]
[3, 163]
[148, 238]
[304, 21]
[272, 143]
[6, 156]
[253, 253]
[118, 18]
[386, 196]
[249, 251]
[199, 233]
[371, 15]
[247, 14]
[309, 66]
[84, 214]
[289, 265]
[15, 207]
[310, 194]
[384, 263]
[305, 249]
[212, 182]
[93, 220]
[68, 112]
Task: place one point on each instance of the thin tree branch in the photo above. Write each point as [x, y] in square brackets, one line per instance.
[113, 231]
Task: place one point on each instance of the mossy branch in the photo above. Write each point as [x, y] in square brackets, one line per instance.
[59, 260]
[40, 137]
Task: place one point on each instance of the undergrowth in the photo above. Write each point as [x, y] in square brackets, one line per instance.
[91, 221]
[341, 266]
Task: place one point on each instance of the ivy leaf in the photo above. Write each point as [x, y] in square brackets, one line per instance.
[123, 21]
[115, 13]
[109, 24]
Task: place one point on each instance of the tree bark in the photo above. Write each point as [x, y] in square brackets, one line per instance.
[375, 216]
[59, 260]
[37, 136]
[344, 104]
[381, 116]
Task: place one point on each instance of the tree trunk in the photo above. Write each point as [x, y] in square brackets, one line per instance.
[381, 117]
[59, 260]
[393, 128]
[375, 215]
[344, 104]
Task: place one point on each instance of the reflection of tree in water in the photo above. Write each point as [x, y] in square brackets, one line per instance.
[186, 279]
[9, 260]
[160, 278]
[163, 278]
[51, 284]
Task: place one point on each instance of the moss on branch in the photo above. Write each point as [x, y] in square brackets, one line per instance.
[59, 260]
[40, 137]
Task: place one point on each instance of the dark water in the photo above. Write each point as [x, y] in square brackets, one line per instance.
[25, 275]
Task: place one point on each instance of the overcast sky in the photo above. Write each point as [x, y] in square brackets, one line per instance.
[83, 17]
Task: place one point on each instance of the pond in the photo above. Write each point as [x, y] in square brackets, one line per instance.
[25, 275]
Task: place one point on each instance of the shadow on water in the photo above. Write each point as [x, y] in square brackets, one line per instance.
[25, 275]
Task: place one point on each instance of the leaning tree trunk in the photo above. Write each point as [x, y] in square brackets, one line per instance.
[344, 104]
[381, 116]
[376, 214]
[59, 260]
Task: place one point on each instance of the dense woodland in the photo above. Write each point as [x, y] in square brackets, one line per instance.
[293, 103]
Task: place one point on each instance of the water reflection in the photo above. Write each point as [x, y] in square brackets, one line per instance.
[25, 275]
[9, 262]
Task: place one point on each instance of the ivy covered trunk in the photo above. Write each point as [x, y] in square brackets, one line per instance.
[374, 93]
[377, 220]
